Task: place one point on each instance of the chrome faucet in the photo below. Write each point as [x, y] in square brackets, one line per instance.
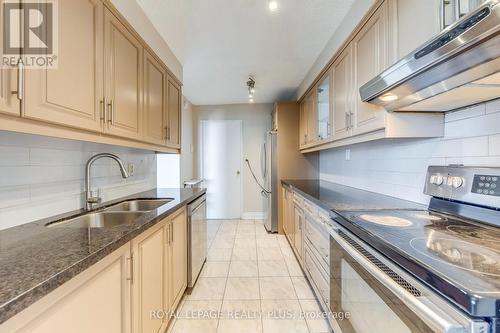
[90, 199]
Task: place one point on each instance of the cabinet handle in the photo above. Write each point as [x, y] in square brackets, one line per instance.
[111, 112]
[130, 269]
[347, 120]
[351, 118]
[20, 81]
[171, 232]
[103, 110]
[167, 235]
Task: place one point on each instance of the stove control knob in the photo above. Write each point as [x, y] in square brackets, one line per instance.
[457, 182]
[437, 180]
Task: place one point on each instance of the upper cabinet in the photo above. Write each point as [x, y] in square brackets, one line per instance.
[324, 107]
[342, 94]
[387, 33]
[123, 79]
[404, 17]
[155, 100]
[108, 85]
[369, 49]
[174, 114]
[71, 94]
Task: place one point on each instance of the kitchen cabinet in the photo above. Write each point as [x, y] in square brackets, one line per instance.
[149, 278]
[288, 217]
[381, 37]
[155, 101]
[302, 124]
[404, 18]
[9, 103]
[312, 131]
[298, 222]
[341, 99]
[71, 94]
[160, 271]
[123, 79]
[174, 114]
[324, 107]
[369, 49]
[97, 300]
[106, 87]
[176, 260]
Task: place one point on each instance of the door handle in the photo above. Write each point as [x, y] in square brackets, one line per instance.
[238, 172]
[20, 81]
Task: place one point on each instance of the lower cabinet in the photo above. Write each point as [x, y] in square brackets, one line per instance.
[160, 273]
[97, 301]
[132, 290]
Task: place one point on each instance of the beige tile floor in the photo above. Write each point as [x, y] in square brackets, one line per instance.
[251, 283]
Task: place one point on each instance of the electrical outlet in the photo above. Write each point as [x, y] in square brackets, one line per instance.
[347, 154]
[131, 169]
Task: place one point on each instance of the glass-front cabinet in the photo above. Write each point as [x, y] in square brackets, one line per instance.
[323, 107]
[453, 10]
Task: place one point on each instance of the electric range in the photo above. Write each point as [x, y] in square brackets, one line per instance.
[451, 251]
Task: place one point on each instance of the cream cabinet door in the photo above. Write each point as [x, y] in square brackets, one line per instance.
[342, 99]
[411, 23]
[177, 258]
[155, 101]
[312, 135]
[97, 300]
[298, 218]
[9, 103]
[370, 59]
[71, 94]
[303, 124]
[149, 279]
[123, 79]
[174, 114]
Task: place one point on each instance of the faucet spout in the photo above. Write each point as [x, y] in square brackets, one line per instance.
[89, 198]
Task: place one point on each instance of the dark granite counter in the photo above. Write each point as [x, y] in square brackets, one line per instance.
[331, 196]
[35, 260]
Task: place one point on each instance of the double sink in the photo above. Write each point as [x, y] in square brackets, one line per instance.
[125, 212]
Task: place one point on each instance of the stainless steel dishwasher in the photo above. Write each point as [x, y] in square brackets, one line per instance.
[197, 238]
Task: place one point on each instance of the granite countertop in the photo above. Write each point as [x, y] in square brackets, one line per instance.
[35, 260]
[339, 198]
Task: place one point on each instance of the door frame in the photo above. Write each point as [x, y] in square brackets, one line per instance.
[200, 157]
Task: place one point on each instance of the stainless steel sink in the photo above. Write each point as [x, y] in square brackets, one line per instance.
[142, 205]
[98, 220]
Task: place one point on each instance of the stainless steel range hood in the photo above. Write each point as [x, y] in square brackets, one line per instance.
[457, 68]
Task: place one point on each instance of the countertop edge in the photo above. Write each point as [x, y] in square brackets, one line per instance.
[31, 296]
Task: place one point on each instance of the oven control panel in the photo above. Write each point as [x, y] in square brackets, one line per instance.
[476, 185]
[486, 185]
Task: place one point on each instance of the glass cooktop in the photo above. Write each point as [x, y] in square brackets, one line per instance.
[459, 258]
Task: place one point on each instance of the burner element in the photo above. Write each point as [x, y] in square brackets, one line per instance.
[390, 221]
[461, 254]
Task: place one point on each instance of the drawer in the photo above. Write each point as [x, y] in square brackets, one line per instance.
[319, 238]
[318, 280]
[298, 199]
[310, 208]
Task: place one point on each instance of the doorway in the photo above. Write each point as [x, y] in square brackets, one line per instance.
[221, 161]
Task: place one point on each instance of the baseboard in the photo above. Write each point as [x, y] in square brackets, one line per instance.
[254, 215]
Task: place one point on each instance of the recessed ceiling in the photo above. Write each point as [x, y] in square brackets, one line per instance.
[220, 43]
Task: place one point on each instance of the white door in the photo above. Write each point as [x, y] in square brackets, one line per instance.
[221, 160]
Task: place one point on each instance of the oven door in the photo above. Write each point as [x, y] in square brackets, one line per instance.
[370, 294]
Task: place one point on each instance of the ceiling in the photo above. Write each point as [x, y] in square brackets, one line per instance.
[220, 43]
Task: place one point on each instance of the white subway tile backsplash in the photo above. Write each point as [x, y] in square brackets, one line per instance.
[42, 176]
[398, 167]
[471, 112]
[493, 106]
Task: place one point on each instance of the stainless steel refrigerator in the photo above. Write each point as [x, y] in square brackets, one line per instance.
[269, 171]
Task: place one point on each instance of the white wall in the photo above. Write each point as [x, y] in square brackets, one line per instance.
[349, 23]
[256, 120]
[398, 168]
[187, 149]
[41, 176]
[133, 12]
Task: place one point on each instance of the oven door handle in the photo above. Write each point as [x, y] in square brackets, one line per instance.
[436, 318]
